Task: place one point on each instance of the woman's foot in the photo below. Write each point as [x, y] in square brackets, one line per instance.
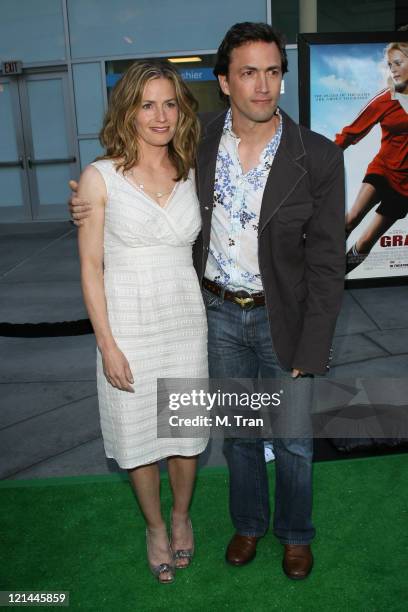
[182, 539]
[159, 554]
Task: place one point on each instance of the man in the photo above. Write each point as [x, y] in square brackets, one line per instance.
[271, 260]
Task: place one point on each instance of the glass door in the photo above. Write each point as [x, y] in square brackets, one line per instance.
[15, 201]
[37, 156]
[49, 139]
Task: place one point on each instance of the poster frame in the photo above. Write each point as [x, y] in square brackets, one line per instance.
[305, 41]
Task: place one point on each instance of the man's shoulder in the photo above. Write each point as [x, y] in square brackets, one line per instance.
[313, 140]
[211, 120]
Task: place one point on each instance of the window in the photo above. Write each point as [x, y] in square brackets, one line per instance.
[196, 70]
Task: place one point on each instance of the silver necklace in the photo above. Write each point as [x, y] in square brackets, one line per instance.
[157, 194]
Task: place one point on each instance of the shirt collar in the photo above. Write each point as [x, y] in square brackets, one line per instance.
[227, 129]
[270, 150]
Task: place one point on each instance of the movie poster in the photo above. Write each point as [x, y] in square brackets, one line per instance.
[359, 97]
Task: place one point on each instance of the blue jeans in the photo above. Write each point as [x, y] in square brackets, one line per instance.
[240, 346]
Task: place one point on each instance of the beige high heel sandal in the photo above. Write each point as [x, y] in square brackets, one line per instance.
[183, 553]
[162, 568]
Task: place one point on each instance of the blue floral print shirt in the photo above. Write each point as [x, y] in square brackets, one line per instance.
[233, 254]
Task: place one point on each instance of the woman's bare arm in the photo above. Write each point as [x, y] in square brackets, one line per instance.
[90, 241]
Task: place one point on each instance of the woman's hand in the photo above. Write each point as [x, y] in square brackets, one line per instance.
[117, 370]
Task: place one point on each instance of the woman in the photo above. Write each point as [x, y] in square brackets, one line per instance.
[142, 292]
[386, 180]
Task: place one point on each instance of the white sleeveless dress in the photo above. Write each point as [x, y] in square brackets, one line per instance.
[155, 311]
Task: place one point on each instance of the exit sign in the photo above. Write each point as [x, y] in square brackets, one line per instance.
[12, 67]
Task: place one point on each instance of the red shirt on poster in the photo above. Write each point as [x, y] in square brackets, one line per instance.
[391, 160]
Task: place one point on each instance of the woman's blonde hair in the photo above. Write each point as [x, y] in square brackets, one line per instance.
[395, 46]
[119, 134]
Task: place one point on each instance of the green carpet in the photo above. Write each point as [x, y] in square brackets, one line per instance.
[85, 535]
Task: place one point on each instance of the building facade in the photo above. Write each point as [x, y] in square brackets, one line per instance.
[59, 58]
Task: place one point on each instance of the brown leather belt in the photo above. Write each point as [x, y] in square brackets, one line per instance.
[244, 299]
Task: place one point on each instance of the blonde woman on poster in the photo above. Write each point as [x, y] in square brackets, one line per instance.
[386, 178]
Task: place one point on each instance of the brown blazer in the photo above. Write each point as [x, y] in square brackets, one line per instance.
[301, 239]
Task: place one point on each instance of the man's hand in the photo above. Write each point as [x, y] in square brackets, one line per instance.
[79, 209]
[301, 374]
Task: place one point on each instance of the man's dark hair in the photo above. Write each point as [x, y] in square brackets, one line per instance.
[246, 32]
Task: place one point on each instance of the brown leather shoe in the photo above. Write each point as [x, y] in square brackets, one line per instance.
[297, 561]
[241, 549]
